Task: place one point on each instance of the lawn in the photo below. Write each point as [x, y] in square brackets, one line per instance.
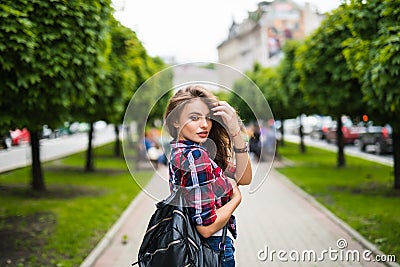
[361, 193]
[61, 226]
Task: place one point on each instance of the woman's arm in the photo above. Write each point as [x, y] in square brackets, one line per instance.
[223, 214]
[244, 173]
[229, 116]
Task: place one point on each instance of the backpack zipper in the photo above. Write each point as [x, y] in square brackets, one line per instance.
[157, 224]
[166, 248]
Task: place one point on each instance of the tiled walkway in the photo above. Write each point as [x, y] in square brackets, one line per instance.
[277, 217]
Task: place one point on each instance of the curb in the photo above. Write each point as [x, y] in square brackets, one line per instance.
[91, 259]
[353, 233]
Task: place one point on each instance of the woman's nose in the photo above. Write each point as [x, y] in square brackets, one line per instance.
[204, 122]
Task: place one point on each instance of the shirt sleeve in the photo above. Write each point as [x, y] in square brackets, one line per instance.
[208, 187]
[230, 170]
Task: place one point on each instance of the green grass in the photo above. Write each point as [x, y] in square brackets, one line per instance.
[61, 226]
[361, 193]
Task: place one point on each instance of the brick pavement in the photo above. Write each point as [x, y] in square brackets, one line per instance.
[278, 216]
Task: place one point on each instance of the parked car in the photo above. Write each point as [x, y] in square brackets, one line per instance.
[308, 123]
[20, 136]
[350, 132]
[290, 126]
[378, 136]
[320, 130]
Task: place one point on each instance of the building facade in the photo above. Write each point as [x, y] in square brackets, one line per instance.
[259, 38]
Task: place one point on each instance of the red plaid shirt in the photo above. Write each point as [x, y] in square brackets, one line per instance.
[208, 188]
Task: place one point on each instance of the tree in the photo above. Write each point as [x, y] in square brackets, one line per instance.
[51, 57]
[325, 77]
[121, 77]
[147, 103]
[372, 53]
[113, 91]
[163, 87]
[129, 67]
[293, 102]
[248, 97]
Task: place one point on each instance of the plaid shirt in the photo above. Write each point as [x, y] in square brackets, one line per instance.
[204, 181]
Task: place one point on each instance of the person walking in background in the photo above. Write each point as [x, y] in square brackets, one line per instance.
[205, 134]
[152, 148]
[255, 141]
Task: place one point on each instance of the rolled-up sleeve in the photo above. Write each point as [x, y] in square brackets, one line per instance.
[208, 186]
[230, 170]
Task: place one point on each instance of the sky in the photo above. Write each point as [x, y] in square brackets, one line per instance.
[188, 30]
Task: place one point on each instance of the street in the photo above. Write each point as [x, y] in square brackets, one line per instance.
[349, 149]
[51, 149]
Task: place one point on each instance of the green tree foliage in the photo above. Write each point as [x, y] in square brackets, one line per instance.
[291, 98]
[292, 102]
[120, 81]
[163, 87]
[247, 98]
[51, 57]
[373, 55]
[131, 67]
[267, 80]
[325, 77]
[240, 88]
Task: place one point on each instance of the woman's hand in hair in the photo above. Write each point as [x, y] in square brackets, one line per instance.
[229, 116]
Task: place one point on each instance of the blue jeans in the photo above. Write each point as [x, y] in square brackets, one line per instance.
[228, 259]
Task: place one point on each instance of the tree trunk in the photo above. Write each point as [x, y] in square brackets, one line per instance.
[301, 134]
[37, 173]
[282, 142]
[117, 145]
[396, 158]
[341, 161]
[89, 153]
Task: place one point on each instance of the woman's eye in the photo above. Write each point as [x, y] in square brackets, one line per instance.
[194, 118]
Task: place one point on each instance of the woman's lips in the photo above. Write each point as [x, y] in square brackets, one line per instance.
[203, 134]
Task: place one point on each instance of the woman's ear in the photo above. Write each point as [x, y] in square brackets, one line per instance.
[176, 124]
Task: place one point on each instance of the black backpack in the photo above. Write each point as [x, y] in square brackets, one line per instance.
[171, 239]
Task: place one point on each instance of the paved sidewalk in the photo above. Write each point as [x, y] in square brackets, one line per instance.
[279, 216]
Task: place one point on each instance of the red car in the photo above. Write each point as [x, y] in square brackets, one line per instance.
[350, 132]
[20, 136]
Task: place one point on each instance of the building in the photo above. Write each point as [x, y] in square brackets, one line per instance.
[259, 38]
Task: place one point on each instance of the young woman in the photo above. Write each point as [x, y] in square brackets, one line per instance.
[205, 132]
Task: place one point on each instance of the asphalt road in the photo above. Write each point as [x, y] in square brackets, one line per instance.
[349, 149]
[50, 149]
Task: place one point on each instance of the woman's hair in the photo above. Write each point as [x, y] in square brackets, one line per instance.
[218, 133]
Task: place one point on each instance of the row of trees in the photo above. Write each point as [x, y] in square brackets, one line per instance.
[349, 65]
[66, 61]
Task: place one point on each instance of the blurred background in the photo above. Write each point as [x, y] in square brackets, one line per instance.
[328, 69]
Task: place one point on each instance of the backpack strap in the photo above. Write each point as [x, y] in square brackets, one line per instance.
[222, 244]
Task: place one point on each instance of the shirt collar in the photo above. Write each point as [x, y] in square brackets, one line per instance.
[185, 144]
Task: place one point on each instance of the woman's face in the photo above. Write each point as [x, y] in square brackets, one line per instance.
[194, 122]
